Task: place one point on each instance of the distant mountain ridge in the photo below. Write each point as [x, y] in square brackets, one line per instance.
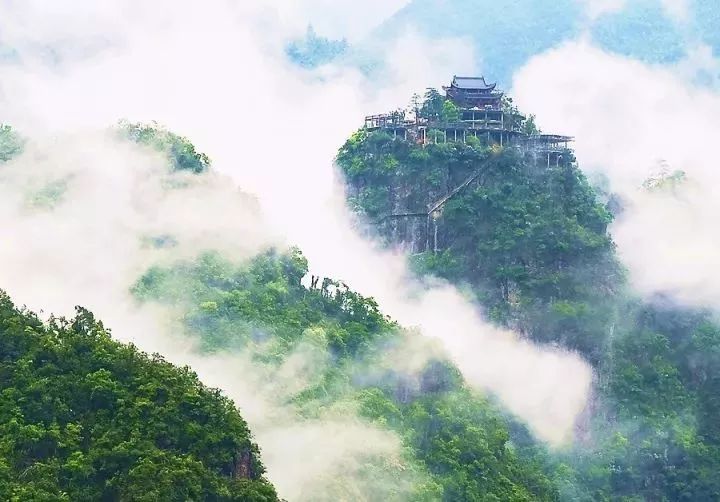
[505, 35]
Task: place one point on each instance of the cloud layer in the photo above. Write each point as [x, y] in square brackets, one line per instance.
[632, 121]
[216, 74]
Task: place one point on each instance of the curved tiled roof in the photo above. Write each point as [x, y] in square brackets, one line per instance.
[472, 83]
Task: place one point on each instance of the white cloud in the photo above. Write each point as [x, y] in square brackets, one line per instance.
[89, 245]
[596, 8]
[627, 118]
[339, 18]
[677, 9]
[216, 73]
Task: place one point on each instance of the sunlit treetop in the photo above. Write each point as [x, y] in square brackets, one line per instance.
[180, 151]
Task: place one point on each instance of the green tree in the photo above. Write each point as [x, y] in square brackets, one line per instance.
[432, 107]
[450, 112]
[179, 150]
[10, 143]
[531, 243]
[456, 442]
[83, 417]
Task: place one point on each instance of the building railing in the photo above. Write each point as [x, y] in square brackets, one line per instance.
[480, 125]
[508, 129]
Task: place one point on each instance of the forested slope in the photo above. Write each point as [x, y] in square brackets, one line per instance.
[455, 443]
[459, 445]
[530, 241]
[83, 417]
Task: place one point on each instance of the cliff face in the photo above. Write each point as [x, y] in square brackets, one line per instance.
[531, 242]
[399, 210]
[528, 238]
[401, 187]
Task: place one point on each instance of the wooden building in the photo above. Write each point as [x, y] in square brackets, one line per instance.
[474, 92]
[481, 113]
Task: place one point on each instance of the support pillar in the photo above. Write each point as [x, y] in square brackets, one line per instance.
[427, 234]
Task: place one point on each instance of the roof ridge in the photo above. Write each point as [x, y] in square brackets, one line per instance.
[473, 82]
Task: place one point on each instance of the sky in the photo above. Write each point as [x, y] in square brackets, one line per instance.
[339, 19]
[677, 9]
[217, 73]
[272, 131]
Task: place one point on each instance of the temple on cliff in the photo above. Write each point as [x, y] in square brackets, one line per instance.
[482, 113]
[474, 93]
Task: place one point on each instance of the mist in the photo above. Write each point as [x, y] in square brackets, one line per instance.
[634, 122]
[86, 243]
[272, 130]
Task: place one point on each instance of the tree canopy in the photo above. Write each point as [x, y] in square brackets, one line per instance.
[530, 241]
[83, 417]
[180, 151]
[10, 143]
[458, 444]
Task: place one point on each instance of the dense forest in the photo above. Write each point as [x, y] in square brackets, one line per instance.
[87, 418]
[83, 417]
[457, 442]
[312, 251]
[531, 242]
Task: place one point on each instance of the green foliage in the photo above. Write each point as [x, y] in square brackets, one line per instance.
[313, 50]
[436, 108]
[10, 143]
[49, 196]
[665, 181]
[662, 401]
[83, 417]
[264, 299]
[433, 105]
[529, 126]
[179, 150]
[458, 445]
[450, 112]
[531, 242]
[465, 443]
